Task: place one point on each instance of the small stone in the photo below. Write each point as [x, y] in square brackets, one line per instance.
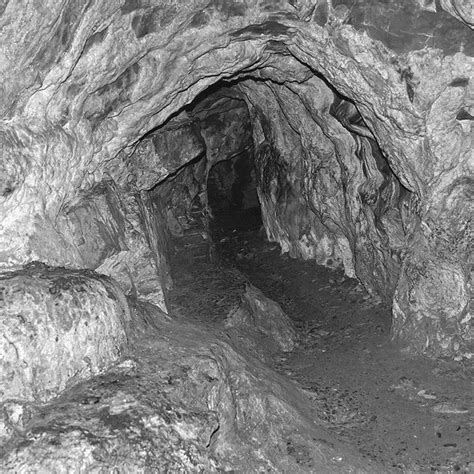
[426, 395]
[449, 409]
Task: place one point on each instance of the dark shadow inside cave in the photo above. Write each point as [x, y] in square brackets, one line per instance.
[247, 135]
[232, 196]
[227, 227]
[231, 181]
[213, 195]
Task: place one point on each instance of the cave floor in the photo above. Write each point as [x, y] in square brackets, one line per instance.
[407, 413]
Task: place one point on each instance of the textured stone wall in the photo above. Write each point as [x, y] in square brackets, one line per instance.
[57, 325]
[81, 82]
[328, 194]
[183, 201]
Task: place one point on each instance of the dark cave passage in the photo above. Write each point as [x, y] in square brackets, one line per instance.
[235, 236]
[232, 196]
[262, 158]
[390, 407]
[360, 386]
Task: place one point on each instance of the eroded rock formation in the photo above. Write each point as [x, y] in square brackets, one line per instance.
[91, 80]
[58, 325]
[358, 115]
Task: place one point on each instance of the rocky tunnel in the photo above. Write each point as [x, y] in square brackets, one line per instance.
[131, 131]
[303, 158]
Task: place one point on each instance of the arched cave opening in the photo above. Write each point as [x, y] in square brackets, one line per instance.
[260, 166]
[229, 229]
[232, 194]
[254, 158]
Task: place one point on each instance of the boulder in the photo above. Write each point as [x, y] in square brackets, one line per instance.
[263, 316]
[57, 326]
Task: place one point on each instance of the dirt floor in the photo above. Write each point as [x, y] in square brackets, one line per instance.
[408, 414]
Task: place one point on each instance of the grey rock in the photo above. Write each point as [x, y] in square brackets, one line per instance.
[57, 325]
[260, 313]
[358, 114]
[180, 400]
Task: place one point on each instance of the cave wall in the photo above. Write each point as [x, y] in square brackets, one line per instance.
[116, 228]
[326, 195]
[90, 79]
[183, 201]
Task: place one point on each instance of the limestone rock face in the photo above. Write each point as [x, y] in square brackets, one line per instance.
[440, 298]
[82, 83]
[159, 154]
[326, 190]
[224, 124]
[57, 325]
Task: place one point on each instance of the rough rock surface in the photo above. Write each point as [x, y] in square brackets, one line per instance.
[442, 310]
[388, 404]
[182, 200]
[223, 120]
[82, 82]
[360, 113]
[181, 400]
[261, 314]
[57, 325]
[324, 191]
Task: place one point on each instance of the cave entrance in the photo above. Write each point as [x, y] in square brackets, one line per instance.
[322, 179]
[213, 194]
[317, 167]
